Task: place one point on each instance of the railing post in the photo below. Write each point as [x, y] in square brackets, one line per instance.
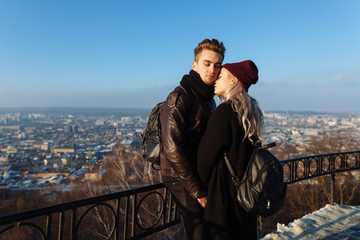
[166, 203]
[117, 220]
[61, 225]
[133, 214]
[126, 218]
[73, 232]
[332, 188]
[48, 226]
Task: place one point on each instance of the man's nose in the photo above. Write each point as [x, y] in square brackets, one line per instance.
[212, 68]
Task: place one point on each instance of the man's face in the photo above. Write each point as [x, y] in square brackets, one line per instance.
[208, 66]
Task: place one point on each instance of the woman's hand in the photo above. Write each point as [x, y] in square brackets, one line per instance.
[202, 201]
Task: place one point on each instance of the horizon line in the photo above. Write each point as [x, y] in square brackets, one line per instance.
[149, 108]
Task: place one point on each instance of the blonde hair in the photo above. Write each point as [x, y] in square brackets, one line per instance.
[248, 111]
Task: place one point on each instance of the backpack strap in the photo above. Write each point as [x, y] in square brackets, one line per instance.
[186, 91]
[179, 89]
[268, 145]
[257, 145]
[234, 177]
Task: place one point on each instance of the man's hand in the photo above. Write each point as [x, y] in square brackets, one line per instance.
[202, 201]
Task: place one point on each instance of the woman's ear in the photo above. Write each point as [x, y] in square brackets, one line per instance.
[234, 80]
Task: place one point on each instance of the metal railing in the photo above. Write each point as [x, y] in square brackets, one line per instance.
[141, 212]
[131, 214]
[299, 169]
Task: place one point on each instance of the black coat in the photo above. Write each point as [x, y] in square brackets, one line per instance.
[222, 213]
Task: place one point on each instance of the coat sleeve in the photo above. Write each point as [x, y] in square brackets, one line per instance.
[216, 139]
[173, 119]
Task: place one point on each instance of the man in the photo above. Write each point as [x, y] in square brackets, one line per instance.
[183, 119]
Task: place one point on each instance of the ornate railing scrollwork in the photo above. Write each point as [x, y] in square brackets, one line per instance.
[147, 209]
[299, 169]
[95, 207]
[130, 214]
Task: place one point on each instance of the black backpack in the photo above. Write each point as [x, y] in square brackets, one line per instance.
[151, 137]
[261, 190]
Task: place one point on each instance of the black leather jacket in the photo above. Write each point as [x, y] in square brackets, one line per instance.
[184, 117]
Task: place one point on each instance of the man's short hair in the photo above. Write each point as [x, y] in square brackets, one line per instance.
[208, 44]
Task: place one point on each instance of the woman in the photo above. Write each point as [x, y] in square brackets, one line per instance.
[233, 127]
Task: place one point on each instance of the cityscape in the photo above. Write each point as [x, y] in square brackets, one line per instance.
[54, 146]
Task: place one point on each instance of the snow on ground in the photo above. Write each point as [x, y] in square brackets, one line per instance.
[331, 220]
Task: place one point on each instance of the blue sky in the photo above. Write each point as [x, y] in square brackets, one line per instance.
[133, 53]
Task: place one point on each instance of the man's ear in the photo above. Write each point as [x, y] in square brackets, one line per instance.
[194, 64]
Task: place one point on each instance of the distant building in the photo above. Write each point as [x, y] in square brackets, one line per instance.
[42, 146]
[67, 129]
[311, 132]
[100, 122]
[71, 129]
[75, 129]
[48, 174]
[64, 161]
[3, 158]
[62, 150]
[11, 149]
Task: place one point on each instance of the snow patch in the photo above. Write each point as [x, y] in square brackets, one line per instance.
[327, 221]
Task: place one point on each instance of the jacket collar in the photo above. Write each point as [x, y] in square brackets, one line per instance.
[194, 82]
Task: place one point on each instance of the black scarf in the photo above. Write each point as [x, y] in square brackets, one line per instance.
[194, 82]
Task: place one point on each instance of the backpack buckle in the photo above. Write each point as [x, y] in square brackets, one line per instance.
[235, 180]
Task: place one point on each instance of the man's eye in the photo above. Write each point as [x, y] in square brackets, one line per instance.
[207, 64]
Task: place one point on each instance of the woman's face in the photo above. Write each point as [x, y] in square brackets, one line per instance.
[224, 82]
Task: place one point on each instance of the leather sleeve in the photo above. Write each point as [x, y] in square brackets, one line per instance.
[174, 128]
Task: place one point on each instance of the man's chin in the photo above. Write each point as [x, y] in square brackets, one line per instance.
[209, 82]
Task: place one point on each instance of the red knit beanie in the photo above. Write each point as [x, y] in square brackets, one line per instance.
[246, 72]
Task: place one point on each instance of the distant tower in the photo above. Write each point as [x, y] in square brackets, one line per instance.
[75, 129]
[118, 131]
[68, 129]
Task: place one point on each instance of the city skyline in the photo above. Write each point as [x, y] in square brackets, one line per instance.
[132, 54]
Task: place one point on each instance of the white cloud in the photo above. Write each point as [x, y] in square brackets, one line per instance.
[340, 77]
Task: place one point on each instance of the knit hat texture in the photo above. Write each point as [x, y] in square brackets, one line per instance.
[246, 72]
